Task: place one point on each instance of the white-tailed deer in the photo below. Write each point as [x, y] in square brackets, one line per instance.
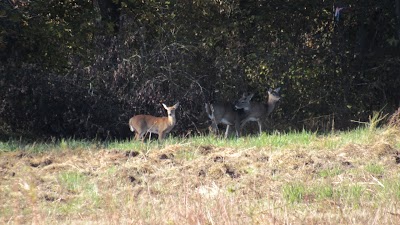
[224, 113]
[255, 111]
[143, 124]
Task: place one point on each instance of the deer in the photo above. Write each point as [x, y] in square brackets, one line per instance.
[255, 111]
[225, 113]
[143, 124]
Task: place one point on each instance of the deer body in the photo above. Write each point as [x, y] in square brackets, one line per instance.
[255, 111]
[143, 124]
[224, 113]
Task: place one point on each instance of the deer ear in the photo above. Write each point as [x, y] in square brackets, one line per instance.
[250, 96]
[277, 90]
[176, 105]
[165, 106]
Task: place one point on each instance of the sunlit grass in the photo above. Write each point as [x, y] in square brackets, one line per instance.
[375, 169]
[354, 195]
[54, 145]
[72, 181]
[323, 191]
[294, 192]
[274, 141]
[325, 173]
[204, 179]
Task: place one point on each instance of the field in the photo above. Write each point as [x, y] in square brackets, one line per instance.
[350, 177]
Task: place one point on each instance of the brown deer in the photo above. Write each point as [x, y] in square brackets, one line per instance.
[143, 124]
[224, 113]
[255, 111]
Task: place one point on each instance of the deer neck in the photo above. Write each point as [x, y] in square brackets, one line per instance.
[270, 106]
[171, 120]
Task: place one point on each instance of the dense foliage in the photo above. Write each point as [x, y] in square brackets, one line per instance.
[82, 68]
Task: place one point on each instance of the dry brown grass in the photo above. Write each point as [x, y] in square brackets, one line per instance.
[179, 184]
[394, 119]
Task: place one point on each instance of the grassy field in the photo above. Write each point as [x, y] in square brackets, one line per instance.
[283, 178]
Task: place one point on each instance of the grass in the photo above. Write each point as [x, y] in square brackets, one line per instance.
[53, 145]
[294, 193]
[375, 169]
[292, 178]
[72, 181]
[324, 192]
[276, 141]
[330, 172]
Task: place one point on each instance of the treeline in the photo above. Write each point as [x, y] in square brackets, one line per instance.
[83, 68]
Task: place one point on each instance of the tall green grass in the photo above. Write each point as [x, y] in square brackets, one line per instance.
[275, 141]
[37, 147]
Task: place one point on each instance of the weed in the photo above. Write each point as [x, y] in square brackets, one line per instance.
[185, 155]
[374, 169]
[350, 194]
[72, 181]
[330, 172]
[397, 190]
[294, 192]
[323, 192]
[375, 119]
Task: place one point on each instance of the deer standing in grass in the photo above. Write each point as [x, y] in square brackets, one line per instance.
[143, 124]
[224, 113]
[255, 111]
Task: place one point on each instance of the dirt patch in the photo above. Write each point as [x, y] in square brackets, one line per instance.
[131, 154]
[218, 159]
[397, 157]
[40, 162]
[382, 150]
[205, 150]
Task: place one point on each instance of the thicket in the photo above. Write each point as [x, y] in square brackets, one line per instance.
[83, 68]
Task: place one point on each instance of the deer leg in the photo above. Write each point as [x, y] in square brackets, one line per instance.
[214, 122]
[214, 127]
[237, 128]
[259, 126]
[137, 136]
[160, 135]
[141, 136]
[227, 131]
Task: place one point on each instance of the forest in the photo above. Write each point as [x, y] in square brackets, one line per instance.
[82, 68]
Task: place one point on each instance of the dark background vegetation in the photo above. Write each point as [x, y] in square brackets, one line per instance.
[82, 68]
